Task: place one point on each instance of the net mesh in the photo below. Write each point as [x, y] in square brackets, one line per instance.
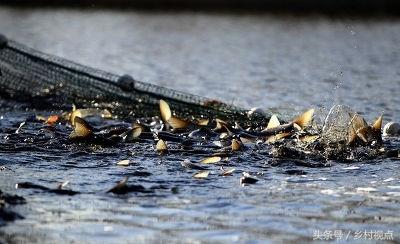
[49, 81]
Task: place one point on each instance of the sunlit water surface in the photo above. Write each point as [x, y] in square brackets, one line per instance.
[280, 62]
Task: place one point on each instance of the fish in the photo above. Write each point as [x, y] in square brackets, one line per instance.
[84, 132]
[236, 145]
[227, 172]
[173, 121]
[182, 118]
[189, 165]
[201, 174]
[59, 190]
[85, 112]
[246, 179]
[300, 136]
[362, 133]
[391, 129]
[161, 147]
[122, 187]
[345, 128]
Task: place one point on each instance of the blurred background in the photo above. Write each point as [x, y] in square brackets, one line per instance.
[282, 55]
[338, 6]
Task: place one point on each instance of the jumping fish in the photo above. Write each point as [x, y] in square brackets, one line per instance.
[299, 133]
[357, 131]
[83, 132]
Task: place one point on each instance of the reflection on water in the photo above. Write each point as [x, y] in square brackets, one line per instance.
[253, 60]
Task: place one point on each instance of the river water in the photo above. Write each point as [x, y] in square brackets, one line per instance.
[281, 62]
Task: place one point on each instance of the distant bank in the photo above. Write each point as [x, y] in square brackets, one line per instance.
[323, 6]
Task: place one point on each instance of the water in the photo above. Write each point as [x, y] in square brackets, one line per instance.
[279, 62]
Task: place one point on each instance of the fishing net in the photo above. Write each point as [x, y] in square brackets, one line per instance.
[44, 80]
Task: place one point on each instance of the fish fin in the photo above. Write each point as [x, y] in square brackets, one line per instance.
[273, 122]
[202, 174]
[177, 123]
[118, 188]
[85, 112]
[305, 118]
[223, 135]
[362, 133]
[165, 111]
[75, 113]
[309, 138]
[52, 119]
[358, 122]
[161, 146]
[137, 131]
[62, 185]
[297, 127]
[237, 126]
[227, 172]
[203, 122]
[81, 128]
[125, 162]
[236, 145]
[211, 160]
[220, 124]
[352, 135]
[277, 137]
[105, 113]
[378, 123]
[41, 118]
[358, 128]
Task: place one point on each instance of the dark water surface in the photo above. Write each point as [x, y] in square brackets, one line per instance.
[281, 62]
